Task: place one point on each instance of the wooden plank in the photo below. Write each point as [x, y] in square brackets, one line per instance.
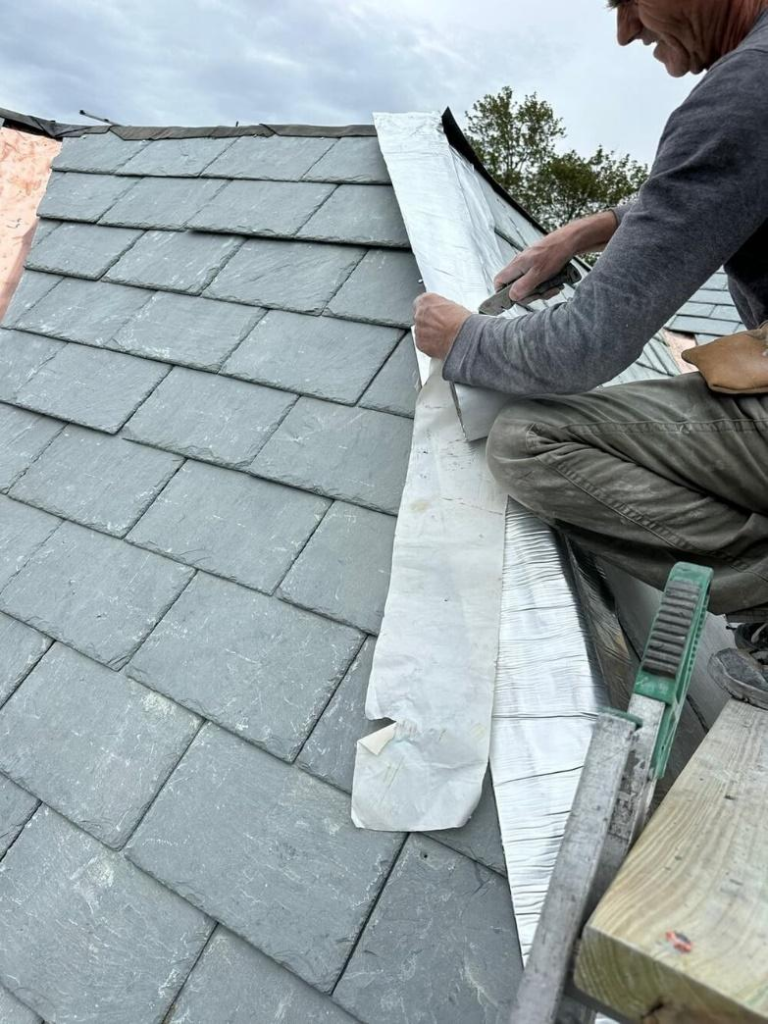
[685, 924]
[565, 907]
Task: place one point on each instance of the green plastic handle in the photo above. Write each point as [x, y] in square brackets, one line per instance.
[670, 653]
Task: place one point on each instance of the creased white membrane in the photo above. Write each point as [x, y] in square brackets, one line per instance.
[433, 671]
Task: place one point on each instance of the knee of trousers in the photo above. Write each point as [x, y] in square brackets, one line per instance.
[518, 468]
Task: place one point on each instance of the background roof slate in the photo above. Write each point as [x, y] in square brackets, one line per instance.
[151, 377]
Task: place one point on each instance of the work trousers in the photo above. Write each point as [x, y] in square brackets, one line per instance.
[649, 474]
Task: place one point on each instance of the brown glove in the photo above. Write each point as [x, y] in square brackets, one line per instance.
[736, 364]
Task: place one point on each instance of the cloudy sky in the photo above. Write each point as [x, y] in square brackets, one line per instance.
[331, 62]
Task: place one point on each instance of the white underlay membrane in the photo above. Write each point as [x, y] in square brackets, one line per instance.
[433, 671]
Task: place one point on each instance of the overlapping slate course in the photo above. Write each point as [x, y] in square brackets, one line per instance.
[275, 666]
[81, 250]
[205, 392]
[321, 356]
[95, 479]
[255, 838]
[85, 937]
[108, 743]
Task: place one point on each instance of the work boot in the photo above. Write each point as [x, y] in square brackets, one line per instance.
[752, 638]
[741, 674]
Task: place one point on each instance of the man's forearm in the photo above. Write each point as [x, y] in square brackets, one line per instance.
[591, 234]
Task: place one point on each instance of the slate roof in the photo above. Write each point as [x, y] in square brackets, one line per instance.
[206, 392]
[710, 313]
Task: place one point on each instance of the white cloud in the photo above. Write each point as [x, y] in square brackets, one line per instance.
[221, 61]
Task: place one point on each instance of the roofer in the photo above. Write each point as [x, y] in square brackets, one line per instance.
[647, 474]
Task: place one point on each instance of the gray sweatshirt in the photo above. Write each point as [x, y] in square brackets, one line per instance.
[705, 204]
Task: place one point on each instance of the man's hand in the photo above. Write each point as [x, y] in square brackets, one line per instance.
[549, 255]
[534, 266]
[437, 321]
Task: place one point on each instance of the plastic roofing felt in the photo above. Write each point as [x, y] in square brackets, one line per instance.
[206, 391]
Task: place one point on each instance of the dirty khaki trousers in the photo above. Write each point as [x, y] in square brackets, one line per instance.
[649, 474]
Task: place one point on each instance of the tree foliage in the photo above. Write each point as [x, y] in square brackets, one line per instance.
[517, 140]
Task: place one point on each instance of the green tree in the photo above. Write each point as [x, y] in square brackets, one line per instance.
[517, 142]
[514, 138]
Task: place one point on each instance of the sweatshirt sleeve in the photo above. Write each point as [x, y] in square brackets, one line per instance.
[706, 196]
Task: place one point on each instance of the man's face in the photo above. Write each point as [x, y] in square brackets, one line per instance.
[668, 26]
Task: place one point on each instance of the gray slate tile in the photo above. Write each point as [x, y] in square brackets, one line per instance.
[175, 158]
[257, 666]
[21, 356]
[91, 386]
[81, 250]
[480, 838]
[14, 1012]
[16, 808]
[207, 417]
[173, 260]
[23, 436]
[699, 309]
[160, 202]
[726, 312]
[30, 289]
[321, 356]
[121, 945]
[344, 570]
[230, 524]
[43, 228]
[276, 208]
[350, 453]
[235, 983]
[365, 214]
[185, 329]
[99, 154]
[329, 753]
[89, 312]
[396, 388]
[94, 593]
[299, 276]
[91, 743]
[351, 160]
[21, 647]
[22, 531]
[441, 938]
[268, 851]
[381, 289]
[275, 158]
[83, 197]
[96, 480]
[704, 325]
